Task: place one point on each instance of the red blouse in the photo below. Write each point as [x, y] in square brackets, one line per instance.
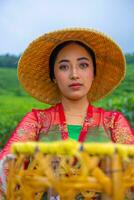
[50, 125]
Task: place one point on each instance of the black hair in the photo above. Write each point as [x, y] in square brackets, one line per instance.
[57, 49]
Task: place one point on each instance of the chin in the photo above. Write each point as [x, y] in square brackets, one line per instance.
[75, 97]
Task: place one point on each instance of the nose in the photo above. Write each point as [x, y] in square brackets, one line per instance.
[74, 73]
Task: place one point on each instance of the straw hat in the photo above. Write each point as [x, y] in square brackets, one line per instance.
[33, 67]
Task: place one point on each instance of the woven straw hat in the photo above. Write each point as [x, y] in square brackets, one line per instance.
[33, 67]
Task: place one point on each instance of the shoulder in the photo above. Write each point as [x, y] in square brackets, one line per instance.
[109, 117]
[47, 113]
[46, 110]
[106, 113]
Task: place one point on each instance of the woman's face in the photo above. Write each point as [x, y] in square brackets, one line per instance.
[74, 72]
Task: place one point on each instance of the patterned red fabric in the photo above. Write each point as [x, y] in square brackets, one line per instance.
[50, 125]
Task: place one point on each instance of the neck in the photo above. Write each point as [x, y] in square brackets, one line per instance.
[75, 106]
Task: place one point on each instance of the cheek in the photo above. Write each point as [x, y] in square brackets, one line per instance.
[60, 79]
[89, 76]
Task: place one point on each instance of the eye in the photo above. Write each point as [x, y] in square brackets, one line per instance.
[63, 67]
[84, 65]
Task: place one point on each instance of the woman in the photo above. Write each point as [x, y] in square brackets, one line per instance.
[70, 69]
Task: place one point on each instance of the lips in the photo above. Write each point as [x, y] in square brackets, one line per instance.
[75, 84]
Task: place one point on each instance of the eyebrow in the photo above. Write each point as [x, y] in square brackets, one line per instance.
[65, 60]
[81, 58]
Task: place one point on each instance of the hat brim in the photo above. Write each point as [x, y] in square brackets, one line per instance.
[33, 66]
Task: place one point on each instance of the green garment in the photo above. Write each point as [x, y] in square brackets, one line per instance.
[74, 131]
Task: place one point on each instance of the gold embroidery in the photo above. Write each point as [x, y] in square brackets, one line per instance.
[122, 135]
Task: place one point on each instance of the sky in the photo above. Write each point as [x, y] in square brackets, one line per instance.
[21, 21]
